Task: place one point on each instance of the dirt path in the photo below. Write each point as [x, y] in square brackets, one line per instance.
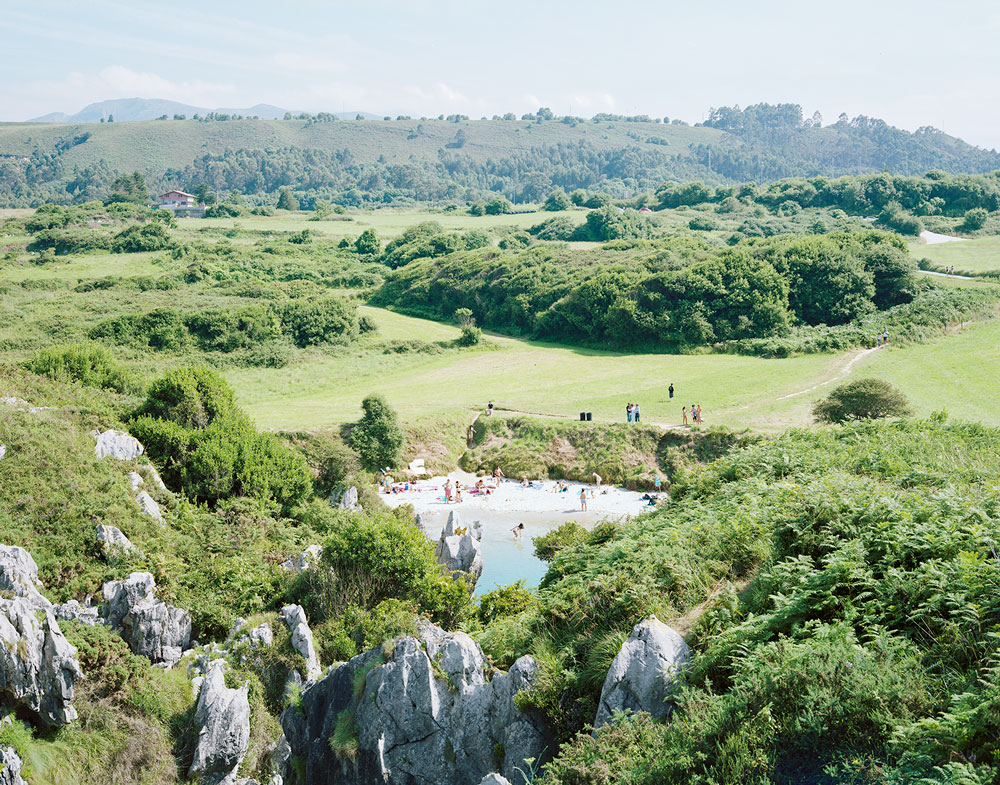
[840, 374]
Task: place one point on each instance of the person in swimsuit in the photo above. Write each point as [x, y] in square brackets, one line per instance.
[583, 499]
[684, 414]
[517, 531]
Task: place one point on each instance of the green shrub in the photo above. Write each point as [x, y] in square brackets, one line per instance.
[505, 601]
[138, 238]
[321, 321]
[863, 399]
[975, 219]
[233, 328]
[702, 223]
[548, 545]
[378, 437]
[557, 201]
[192, 396]
[88, 364]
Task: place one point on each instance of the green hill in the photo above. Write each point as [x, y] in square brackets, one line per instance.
[456, 160]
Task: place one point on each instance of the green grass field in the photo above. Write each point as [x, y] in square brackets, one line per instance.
[978, 255]
[387, 222]
[955, 372]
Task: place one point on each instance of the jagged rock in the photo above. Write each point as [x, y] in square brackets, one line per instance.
[113, 542]
[152, 628]
[460, 553]
[424, 713]
[38, 666]
[308, 558]
[223, 716]
[117, 444]
[259, 637]
[19, 574]
[14, 402]
[135, 479]
[10, 767]
[3, 451]
[149, 506]
[641, 676]
[154, 477]
[74, 611]
[349, 501]
[494, 779]
[302, 639]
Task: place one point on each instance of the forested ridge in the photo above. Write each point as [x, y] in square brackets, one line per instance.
[455, 159]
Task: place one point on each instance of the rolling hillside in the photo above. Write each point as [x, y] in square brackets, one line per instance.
[441, 161]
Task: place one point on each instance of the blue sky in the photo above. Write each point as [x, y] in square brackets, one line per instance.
[911, 63]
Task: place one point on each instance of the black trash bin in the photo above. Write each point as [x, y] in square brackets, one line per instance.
[583, 416]
[590, 416]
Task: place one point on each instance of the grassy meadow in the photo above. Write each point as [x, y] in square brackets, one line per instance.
[977, 255]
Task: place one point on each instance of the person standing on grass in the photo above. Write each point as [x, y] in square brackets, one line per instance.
[628, 412]
[583, 499]
[684, 414]
[670, 391]
[699, 414]
[635, 412]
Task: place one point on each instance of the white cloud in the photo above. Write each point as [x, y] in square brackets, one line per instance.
[307, 63]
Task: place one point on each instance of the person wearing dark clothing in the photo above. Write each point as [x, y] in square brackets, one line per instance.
[670, 391]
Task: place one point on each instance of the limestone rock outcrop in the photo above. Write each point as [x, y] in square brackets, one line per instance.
[308, 558]
[10, 767]
[113, 542]
[223, 717]
[19, 575]
[74, 611]
[423, 713]
[151, 628]
[642, 674]
[117, 444]
[3, 451]
[38, 666]
[494, 779]
[148, 506]
[349, 501]
[302, 639]
[459, 549]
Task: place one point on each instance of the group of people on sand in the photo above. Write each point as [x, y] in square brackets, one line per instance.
[695, 413]
[882, 338]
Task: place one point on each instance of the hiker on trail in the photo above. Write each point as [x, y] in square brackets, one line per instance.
[489, 409]
[670, 391]
[885, 335]
[684, 414]
[628, 412]
[878, 340]
[583, 499]
[597, 480]
[517, 530]
[635, 411]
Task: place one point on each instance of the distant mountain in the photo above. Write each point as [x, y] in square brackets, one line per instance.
[143, 109]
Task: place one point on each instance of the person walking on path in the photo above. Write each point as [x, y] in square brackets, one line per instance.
[684, 414]
[670, 391]
[489, 409]
[583, 500]
[885, 336]
[635, 411]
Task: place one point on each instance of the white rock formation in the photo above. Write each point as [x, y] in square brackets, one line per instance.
[117, 444]
[308, 558]
[302, 639]
[113, 542]
[641, 676]
[424, 713]
[152, 628]
[38, 666]
[19, 575]
[460, 551]
[10, 767]
[148, 506]
[223, 716]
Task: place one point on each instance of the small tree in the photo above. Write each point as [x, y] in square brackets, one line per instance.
[556, 202]
[471, 335]
[864, 399]
[378, 436]
[286, 200]
[368, 243]
[497, 206]
[975, 219]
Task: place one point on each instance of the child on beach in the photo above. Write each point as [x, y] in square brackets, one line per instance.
[517, 530]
